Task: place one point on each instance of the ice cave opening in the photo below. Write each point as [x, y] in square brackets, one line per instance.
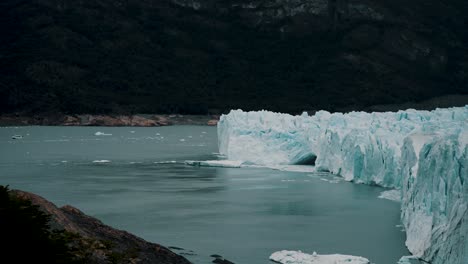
[307, 160]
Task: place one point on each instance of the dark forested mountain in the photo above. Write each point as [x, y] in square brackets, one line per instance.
[189, 56]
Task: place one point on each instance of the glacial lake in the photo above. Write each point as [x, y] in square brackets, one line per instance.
[136, 179]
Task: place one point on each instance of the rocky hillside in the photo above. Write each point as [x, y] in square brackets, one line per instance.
[87, 239]
[207, 56]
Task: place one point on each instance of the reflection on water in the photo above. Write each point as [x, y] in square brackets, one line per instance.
[242, 214]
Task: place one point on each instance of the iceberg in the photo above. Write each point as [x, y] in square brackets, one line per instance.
[421, 154]
[297, 257]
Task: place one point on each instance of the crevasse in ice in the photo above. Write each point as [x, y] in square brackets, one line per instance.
[421, 153]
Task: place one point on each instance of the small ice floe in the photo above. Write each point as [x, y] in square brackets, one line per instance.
[288, 180]
[297, 257]
[101, 161]
[64, 161]
[16, 137]
[293, 168]
[157, 134]
[132, 132]
[189, 136]
[136, 162]
[219, 155]
[407, 260]
[165, 162]
[182, 140]
[99, 133]
[330, 180]
[215, 163]
[402, 228]
[392, 195]
[203, 132]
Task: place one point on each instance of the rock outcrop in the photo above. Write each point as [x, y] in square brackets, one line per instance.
[95, 242]
[109, 120]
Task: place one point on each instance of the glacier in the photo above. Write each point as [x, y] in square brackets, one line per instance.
[422, 154]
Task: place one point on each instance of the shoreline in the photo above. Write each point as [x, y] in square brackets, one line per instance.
[112, 120]
[154, 120]
[88, 240]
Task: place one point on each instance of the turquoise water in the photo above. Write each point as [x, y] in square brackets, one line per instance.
[135, 179]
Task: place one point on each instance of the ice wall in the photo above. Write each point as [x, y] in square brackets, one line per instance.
[266, 138]
[435, 196]
[422, 153]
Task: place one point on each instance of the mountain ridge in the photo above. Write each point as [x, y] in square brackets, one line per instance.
[206, 57]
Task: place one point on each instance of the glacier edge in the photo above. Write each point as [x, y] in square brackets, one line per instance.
[421, 153]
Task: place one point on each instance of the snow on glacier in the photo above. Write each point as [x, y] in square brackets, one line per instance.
[421, 153]
[297, 257]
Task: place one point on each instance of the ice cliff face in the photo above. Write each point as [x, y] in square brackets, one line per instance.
[435, 196]
[422, 153]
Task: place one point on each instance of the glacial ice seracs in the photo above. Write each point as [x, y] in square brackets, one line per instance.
[421, 153]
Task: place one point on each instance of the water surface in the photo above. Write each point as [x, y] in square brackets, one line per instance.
[135, 179]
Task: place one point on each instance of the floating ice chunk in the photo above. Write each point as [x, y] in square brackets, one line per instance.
[219, 155]
[99, 133]
[330, 180]
[132, 132]
[181, 140]
[215, 163]
[392, 195]
[291, 168]
[165, 162]
[406, 259]
[101, 161]
[297, 257]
